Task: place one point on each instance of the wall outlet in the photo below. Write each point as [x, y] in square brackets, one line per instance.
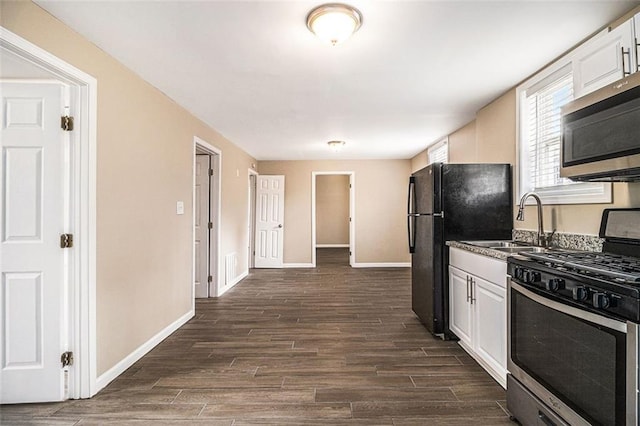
[180, 207]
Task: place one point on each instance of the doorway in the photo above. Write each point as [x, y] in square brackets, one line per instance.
[333, 218]
[48, 234]
[206, 219]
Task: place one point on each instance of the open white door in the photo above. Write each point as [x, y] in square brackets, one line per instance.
[269, 221]
[202, 230]
[35, 213]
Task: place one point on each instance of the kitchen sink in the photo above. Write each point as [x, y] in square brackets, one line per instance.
[519, 249]
[507, 246]
[498, 244]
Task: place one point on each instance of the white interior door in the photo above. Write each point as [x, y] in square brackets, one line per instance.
[34, 215]
[269, 221]
[202, 232]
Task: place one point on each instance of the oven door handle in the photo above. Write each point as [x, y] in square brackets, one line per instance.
[570, 310]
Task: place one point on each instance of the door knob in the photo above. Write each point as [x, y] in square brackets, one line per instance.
[280, 226]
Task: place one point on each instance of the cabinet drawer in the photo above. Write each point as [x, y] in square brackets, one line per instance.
[493, 270]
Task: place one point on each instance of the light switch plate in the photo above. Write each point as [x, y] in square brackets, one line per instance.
[180, 207]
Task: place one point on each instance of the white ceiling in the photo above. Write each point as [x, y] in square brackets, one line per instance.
[415, 72]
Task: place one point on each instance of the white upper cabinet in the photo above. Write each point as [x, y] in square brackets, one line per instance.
[604, 59]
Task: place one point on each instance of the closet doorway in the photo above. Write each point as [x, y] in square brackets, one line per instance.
[333, 218]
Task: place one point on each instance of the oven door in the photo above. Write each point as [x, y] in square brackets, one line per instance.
[581, 365]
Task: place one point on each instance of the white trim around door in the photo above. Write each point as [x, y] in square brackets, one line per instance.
[81, 310]
[251, 215]
[352, 216]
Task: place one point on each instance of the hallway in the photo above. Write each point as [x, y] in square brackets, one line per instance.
[331, 345]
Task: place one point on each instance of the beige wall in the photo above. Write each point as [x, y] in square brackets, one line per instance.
[380, 207]
[582, 218]
[420, 161]
[496, 130]
[332, 209]
[462, 145]
[144, 165]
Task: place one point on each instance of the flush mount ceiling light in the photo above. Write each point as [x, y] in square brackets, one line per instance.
[334, 23]
[336, 145]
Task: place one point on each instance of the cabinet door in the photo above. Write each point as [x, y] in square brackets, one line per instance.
[459, 308]
[490, 320]
[601, 61]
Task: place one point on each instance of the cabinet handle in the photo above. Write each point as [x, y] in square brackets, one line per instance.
[624, 69]
[472, 286]
[468, 295]
[637, 61]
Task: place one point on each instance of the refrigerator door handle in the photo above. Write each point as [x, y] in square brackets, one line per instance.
[411, 227]
[411, 214]
[411, 196]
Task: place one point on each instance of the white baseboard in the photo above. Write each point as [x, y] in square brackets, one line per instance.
[298, 265]
[383, 265]
[112, 373]
[226, 288]
[332, 246]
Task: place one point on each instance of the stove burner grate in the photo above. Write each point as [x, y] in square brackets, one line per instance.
[611, 266]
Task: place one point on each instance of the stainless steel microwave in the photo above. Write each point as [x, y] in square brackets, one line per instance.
[601, 134]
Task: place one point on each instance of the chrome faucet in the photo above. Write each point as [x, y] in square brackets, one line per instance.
[543, 240]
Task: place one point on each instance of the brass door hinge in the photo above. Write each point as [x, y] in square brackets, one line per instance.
[66, 359]
[210, 225]
[66, 122]
[66, 240]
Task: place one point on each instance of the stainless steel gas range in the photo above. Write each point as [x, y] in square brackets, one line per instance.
[573, 331]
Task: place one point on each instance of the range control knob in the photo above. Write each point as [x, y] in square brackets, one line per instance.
[600, 300]
[518, 273]
[580, 293]
[531, 277]
[555, 284]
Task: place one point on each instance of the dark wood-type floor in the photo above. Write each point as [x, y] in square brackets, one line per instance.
[331, 346]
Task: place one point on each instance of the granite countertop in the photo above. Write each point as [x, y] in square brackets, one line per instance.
[560, 240]
[485, 251]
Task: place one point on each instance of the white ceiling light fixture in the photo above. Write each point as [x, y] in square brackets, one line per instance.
[336, 146]
[334, 22]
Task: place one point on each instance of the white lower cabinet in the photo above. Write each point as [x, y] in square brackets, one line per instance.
[459, 305]
[478, 309]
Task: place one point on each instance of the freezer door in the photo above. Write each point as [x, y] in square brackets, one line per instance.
[477, 201]
[425, 190]
[427, 286]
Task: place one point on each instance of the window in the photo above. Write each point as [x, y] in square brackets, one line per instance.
[540, 101]
[545, 131]
[439, 152]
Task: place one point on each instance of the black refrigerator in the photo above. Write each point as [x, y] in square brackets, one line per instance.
[451, 202]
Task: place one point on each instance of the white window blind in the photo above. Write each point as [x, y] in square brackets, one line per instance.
[545, 131]
[439, 152]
